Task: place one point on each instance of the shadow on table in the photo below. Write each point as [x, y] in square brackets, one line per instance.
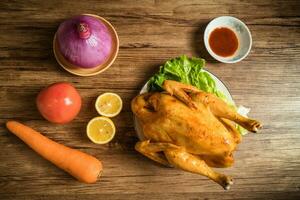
[38, 48]
[150, 70]
[197, 43]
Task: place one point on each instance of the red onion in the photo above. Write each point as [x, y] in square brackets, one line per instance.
[84, 41]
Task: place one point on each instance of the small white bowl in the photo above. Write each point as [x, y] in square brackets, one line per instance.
[239, 28]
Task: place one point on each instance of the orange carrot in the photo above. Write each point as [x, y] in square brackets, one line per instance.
[82, 166]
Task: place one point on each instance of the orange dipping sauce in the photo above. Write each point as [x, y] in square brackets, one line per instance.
[223, 42]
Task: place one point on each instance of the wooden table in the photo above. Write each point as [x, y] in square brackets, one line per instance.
[268, 81]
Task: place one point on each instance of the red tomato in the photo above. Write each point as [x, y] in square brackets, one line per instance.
[59, 102]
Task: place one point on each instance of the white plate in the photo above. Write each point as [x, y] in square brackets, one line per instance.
[219, 84]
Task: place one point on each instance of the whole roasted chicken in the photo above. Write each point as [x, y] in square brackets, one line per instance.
[189, 129]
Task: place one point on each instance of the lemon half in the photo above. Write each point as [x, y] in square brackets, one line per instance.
[100, 130]
[109, 104]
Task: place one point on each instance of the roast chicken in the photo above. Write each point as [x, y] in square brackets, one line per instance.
[189, 129]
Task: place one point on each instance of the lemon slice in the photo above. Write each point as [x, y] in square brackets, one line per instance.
[100, 130]
[109, 104]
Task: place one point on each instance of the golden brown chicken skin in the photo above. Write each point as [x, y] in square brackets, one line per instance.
[195, 130]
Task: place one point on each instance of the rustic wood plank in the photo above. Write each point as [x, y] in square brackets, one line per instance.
[151, 31]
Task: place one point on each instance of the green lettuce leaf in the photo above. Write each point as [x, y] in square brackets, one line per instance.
[186, 70]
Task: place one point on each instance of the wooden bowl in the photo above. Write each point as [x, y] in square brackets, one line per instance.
[73, 69]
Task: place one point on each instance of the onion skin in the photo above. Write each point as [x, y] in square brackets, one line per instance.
[84, 41]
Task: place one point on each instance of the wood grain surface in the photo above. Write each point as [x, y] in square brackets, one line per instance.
[267, 165]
